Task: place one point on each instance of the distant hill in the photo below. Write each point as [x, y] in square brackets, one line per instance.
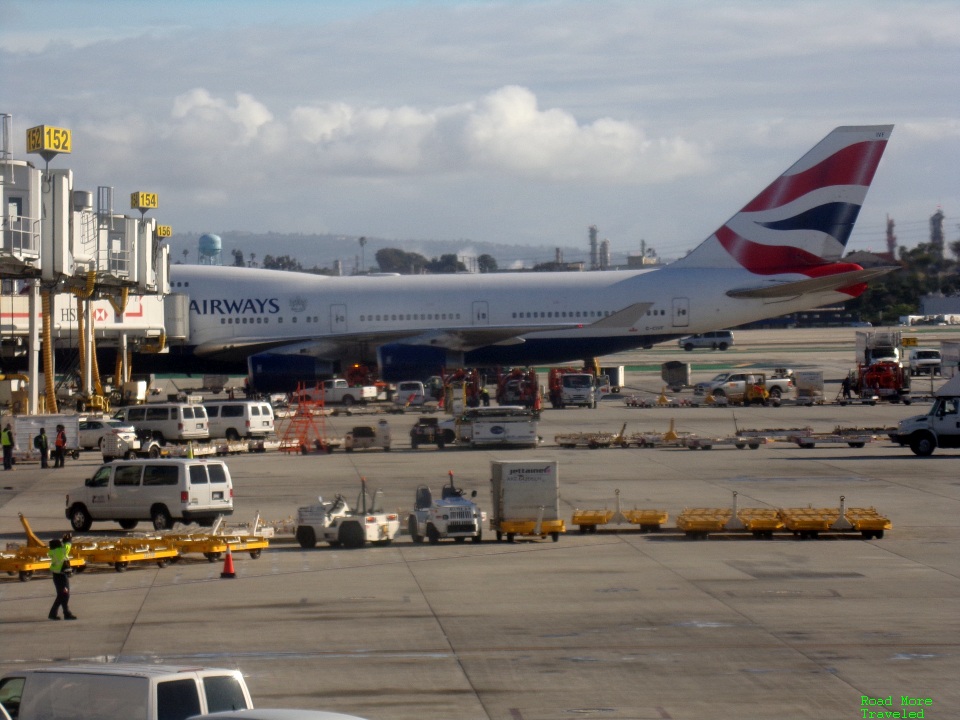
[324, 250]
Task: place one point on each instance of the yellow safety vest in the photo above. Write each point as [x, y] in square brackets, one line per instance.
[57, 557]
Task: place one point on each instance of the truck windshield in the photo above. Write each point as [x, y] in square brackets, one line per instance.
[578, 381]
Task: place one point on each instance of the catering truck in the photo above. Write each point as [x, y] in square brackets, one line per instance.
[526, 499]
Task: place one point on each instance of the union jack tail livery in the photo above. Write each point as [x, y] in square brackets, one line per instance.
[801, 223]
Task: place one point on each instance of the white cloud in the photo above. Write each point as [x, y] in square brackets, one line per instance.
[202, 118]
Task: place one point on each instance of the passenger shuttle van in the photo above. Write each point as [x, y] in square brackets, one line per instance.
[161, 491]
[121, 691]
[236, 419]
[171, 422]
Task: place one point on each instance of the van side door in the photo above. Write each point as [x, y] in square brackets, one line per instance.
[124, 498]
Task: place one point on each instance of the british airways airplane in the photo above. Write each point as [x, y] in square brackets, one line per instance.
[781, 253]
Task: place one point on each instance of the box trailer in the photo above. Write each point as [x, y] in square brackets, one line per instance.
[525, 498]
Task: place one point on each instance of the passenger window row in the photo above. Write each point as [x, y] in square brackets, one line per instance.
[562, 314]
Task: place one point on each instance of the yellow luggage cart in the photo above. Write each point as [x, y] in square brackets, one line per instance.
[587, 520]
[648, 520]
[809, 522]
[868, 522]
[762, 522]
[121, 553]
[533, 528]
[22, 564]
[700, 522]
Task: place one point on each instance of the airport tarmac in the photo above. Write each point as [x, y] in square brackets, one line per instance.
[612, 625]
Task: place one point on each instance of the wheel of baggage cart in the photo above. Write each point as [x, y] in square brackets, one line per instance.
[25, 575]
[212, 556]
[255, 554]
[120, 566]
[163, 562]
[510, 537]
[499, 536]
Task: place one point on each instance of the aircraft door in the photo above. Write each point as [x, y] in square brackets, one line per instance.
[481, 313]
[338, 318]
[681, 312]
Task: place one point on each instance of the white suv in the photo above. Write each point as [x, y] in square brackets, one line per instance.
[716, 340]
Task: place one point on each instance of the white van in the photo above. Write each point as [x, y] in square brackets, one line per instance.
[177, 422]
[161, 491]
[235, 419]
[121, 691]
[410, 393]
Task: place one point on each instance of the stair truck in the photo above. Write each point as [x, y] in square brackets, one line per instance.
[452, 515]
[526, 499]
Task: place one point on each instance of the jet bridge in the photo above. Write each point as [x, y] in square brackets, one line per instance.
[56, 246]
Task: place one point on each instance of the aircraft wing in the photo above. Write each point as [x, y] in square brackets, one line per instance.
[458, 339]
[786, 289]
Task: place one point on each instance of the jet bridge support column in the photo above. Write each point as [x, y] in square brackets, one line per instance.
[33, 345]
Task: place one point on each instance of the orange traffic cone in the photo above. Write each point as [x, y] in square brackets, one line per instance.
[228, 565]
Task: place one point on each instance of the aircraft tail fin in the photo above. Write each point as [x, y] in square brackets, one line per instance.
[803, 220]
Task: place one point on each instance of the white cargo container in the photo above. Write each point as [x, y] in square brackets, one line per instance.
[525, 498]
[26, 427]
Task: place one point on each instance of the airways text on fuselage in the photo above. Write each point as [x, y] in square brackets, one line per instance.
[241, 306]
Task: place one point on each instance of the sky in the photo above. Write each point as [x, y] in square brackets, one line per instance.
[508, 122]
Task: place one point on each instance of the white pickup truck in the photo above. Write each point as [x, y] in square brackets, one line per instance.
[733, 386]
[338, 391]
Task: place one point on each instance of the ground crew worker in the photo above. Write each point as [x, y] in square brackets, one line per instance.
[6, 439]
[42, 443]
[59, 447]
[59, 557]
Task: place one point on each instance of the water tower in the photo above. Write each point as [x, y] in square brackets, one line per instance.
[210, 248]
